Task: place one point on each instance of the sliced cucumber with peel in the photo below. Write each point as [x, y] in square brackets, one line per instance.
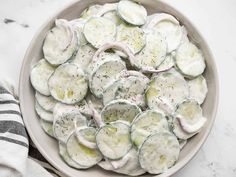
[99, 30]
[130, 85]
[84, 56]
[159, 152]
[104, 74]
[60, 43]
[189, 60]
[99, 59]
[153, 54]
[179, 132]
[166, 91]
[173, 34]
[65, 156]
[63, 84]
[46, 102]
[168, 26]
[132, 36]
[198, 89]
[132, 12]
[42, 113]
[113, 140]
[167, 64]
[189, 115]
[147, 123]
[113, 16]
[81, 154]
[156, 18]
[119, 110]
[40, 73]
[47, 127]
[66, 121]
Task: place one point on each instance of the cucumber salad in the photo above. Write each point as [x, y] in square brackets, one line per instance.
[120, 89]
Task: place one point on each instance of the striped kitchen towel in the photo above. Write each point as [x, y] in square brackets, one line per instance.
[18, 155]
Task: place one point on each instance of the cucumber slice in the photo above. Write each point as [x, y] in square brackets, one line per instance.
[39, 76]
[47, 127]
[84, 56]
[147, 123]
[81, 154]
[90, 12]
[173, 34]
[65, 156]
[179, 132]
[82, 107]
[198, 89]
[132, 166]
[99, 30]
[166, 91]
[113, 17]
[190, 60]
[153, 54]
[189, 115]
[108, 7]
[103, 56]
[60, 43]
[113, 140]
[46, 102]
[159, 152]
[77, 25]
[132, 12]
[133, 90]
[156, 18]
[86, 136]
[42, 113]
[167, 64]
[66, 119]
[169, 28]
[64, 82]
[132, 36]
[104, 74]
[119, 110]
[131, 85]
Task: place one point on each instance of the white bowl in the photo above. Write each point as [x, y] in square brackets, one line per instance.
[49, 147]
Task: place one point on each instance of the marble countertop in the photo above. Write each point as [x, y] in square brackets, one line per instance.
[19, 20]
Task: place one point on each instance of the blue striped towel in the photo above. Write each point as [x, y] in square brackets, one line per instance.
[18, 155]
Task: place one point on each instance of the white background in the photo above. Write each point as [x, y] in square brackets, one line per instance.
[216, 19]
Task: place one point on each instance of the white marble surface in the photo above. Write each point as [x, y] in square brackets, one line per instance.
[217, 22]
